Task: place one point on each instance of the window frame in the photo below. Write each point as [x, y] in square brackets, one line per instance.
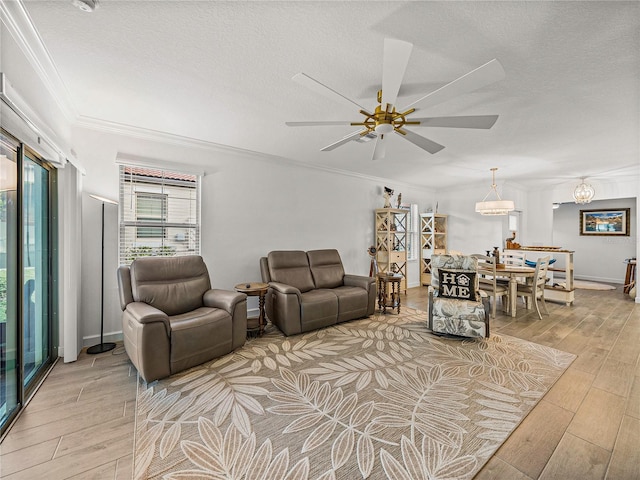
[181, 212]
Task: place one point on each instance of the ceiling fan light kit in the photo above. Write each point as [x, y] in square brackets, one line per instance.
[494, 207]
[386, 119]
[583, 193]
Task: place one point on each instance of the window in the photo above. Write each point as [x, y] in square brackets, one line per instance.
[413, 231]
[159, 213]
[151, 208]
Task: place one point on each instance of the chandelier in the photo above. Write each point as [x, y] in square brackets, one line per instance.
[494, 207]
[583, 193]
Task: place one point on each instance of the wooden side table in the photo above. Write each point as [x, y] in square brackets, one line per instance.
[255, 325]
[393, 299]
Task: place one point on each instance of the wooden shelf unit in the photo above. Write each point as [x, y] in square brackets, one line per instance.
[564, 294]
[433, 241]
[391, 242]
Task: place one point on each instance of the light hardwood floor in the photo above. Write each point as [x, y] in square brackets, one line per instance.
[80, 423]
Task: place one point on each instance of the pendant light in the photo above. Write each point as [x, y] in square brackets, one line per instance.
[494, 207]
[583, 193]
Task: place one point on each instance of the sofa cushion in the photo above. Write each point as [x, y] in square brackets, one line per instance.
[291, 267]
[457, 284]
[173, 285]
[352, 302]
[326, 268]
[461, 263]
[198, 336]
[319, 308]
[458, 317]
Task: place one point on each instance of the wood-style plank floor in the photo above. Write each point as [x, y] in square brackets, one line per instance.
[80, 423]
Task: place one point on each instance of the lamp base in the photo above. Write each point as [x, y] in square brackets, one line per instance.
[101, 348]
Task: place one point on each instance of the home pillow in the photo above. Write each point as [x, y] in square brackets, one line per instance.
[457, 284]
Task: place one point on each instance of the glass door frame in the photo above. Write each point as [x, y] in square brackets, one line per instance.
[25, 393]
[29, 390]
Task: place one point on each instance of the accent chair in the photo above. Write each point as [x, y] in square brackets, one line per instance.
[457, 306]
[172, 319]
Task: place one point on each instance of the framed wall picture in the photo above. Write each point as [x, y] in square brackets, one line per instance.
[613, 221]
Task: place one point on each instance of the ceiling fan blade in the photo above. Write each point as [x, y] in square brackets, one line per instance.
[342, 141]
[484, 75]
[472, 121]
[322, 89]
[422, 142]
[380, 148]
[396, 58]
[316, 124]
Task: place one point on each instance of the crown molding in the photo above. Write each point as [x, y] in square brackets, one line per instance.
[19, 24]
[106, 126]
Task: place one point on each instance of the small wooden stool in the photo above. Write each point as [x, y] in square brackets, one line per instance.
[393, 300]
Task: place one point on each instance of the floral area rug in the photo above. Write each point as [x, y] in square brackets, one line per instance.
[379, 398]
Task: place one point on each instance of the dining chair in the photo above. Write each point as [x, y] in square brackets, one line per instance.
[513, 257]
[488, 282]
[535, 289]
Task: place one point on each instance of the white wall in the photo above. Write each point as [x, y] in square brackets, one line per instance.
[50, 115]
[598, 258]
[251, 204]
[468, 231]
[472, 233]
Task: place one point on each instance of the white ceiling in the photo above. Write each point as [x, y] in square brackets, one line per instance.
[221, 72]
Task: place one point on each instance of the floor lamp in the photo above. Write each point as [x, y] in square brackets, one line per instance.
[102, 347]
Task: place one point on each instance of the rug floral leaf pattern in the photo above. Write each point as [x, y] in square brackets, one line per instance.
[379, 398]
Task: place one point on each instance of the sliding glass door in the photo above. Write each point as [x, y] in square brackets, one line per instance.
[35, 266]
[25, 274]
[9, 364]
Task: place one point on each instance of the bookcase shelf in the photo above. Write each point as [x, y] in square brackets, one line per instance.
[391, 242]
[433, 240]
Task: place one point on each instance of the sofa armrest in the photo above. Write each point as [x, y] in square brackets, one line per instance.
[284, 288]
[144, 313]
[223, 299]
[359, 281]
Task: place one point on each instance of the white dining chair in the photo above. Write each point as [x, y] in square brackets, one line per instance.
[535, 290]
[488, 282]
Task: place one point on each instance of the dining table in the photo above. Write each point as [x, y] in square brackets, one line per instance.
[513, 273]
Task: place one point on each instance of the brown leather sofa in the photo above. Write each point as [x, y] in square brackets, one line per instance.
[172, 319]
[309, 290]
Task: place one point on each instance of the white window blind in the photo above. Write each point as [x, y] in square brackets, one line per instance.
[159, 213]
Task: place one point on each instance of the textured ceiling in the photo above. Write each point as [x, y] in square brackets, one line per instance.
[221, 72]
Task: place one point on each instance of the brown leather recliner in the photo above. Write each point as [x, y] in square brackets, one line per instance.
[172, 319]
[309, 290]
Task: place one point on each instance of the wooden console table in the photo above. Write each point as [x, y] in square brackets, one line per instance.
[555, 292]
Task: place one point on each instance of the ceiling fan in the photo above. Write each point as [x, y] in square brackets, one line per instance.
[386, 119]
